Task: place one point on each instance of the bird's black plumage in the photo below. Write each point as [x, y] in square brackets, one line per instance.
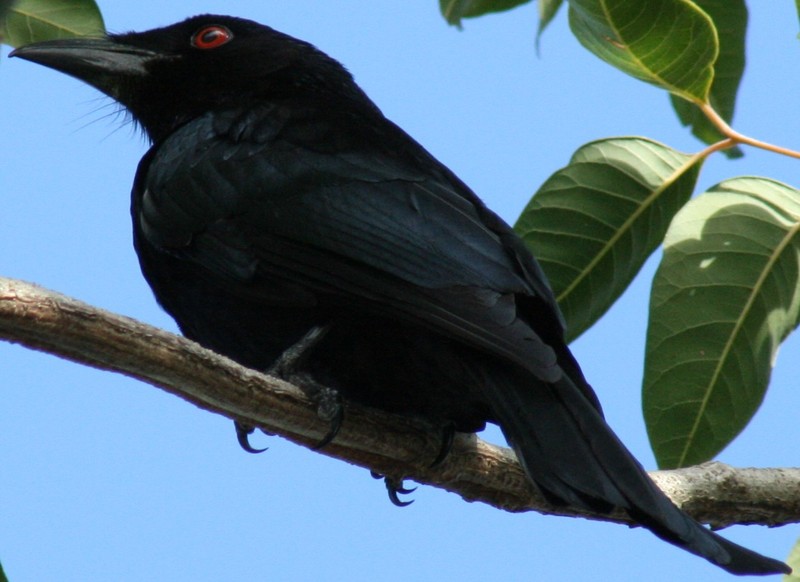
[277, 198]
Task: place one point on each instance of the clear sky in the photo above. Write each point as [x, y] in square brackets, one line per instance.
[106, 478]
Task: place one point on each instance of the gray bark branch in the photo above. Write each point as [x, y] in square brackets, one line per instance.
[392, 445]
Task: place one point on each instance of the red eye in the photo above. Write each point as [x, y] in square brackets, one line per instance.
[210, 37]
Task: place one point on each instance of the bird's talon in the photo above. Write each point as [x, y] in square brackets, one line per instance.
[404, 490]
[243, 433]
[448, 436]
[395, 487]
[331, 409]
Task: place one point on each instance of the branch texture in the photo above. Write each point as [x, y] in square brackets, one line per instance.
[392, 445]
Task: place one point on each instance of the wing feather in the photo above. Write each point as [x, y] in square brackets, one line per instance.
[375, 233]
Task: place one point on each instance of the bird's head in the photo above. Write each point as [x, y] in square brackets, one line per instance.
[167, 76]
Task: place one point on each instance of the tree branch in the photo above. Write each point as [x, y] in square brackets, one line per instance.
[390, 444]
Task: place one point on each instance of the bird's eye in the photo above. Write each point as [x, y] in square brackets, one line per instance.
[210, 37]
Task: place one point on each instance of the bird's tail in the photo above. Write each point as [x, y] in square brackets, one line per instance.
[573, 456]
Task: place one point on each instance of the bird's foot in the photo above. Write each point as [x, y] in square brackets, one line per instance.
[288, 367]
[330, 409]
[394, 487]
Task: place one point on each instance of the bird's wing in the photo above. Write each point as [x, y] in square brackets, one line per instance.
[373, 226]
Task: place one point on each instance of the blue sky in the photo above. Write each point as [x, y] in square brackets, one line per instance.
[106, 478]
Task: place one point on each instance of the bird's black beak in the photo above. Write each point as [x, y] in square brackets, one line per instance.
[100, 62]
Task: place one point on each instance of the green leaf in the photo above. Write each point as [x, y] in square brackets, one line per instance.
[455, 10]
[793, 560]
[593, 223]
[669, 43]
[2, 575]
[726, 294]
[794, 557]
[5, 6]
[34, 20]
[797, 6]
[547, 11]
[730, 20]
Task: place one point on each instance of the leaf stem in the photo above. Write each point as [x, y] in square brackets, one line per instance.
[734, 137]
[715, 147]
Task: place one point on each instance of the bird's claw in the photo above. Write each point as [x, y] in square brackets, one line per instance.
[243, 433]
[395, 487]
[331, 409]
[448, 436]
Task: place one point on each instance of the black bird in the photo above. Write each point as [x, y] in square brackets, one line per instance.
[276, 199]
